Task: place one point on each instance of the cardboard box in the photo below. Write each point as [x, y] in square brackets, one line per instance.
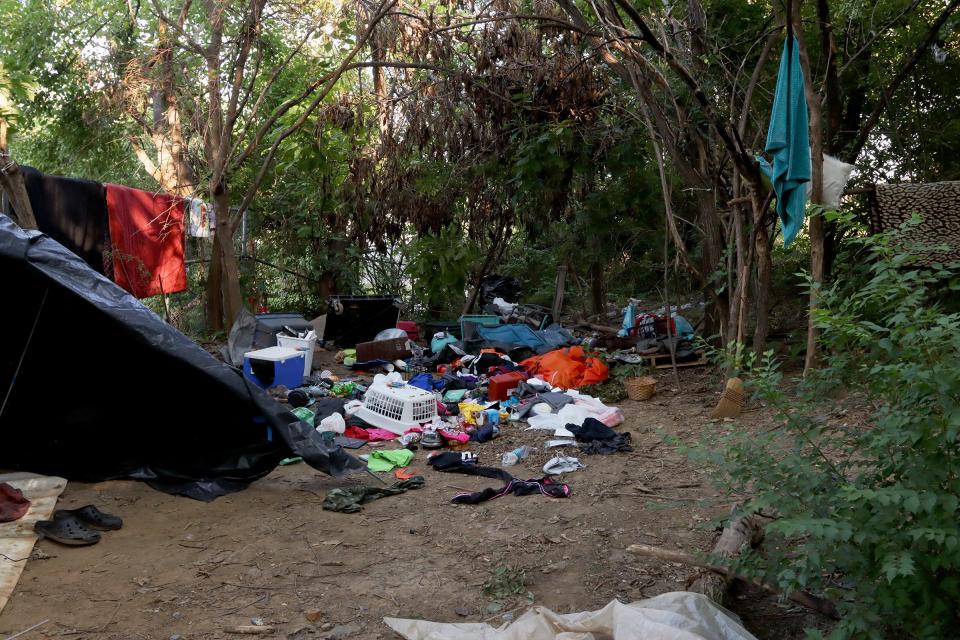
[389, 350]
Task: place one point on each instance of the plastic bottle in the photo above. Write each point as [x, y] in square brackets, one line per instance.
[511, 458]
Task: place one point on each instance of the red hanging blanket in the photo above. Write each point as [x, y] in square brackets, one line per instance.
[147, 234]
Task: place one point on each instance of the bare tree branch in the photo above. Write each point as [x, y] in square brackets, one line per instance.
[263, 95]
[908, 10]
[177, 26]
[867, 128]
[332, 78]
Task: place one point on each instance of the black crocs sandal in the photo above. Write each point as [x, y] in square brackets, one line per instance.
[91, 517]
[66, 530]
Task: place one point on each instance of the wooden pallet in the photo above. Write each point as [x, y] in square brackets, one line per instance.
[662, 361]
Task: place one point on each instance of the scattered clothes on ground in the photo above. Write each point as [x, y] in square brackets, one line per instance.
[454, 395]
[304, 414]
[426, 382]
[378, 435]
[592, 429]
[679, 615]
[13, 505]
[352, 499]
[554, 399]
[357, 433]
[562, 464]
[598, 438]
[349, 443]
[567, 368]
[74, 213]
[620, 442]
[543, 486]
[454, 436]
[451, 460]
[483, 434]
[387, 460]
[146, 230]
[324, 407]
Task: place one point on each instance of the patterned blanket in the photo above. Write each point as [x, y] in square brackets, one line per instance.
[938, 205]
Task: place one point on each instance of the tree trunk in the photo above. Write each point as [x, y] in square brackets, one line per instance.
[712, 259]
[597, 289]
[816, 159]
[764, 268]
[229, 267]
[214, 295]
[745, 530]
[11, 183]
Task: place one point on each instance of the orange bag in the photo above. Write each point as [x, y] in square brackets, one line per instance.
[567, 368]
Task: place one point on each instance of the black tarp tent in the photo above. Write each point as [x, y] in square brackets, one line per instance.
[94, 385]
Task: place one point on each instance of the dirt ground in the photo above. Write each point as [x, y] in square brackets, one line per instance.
[185, 569]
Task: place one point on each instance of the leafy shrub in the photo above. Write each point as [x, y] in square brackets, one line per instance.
[866, 508]
[439, 268]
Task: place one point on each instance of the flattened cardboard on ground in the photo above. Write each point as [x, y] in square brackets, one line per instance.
[17, 538]
[383, 350]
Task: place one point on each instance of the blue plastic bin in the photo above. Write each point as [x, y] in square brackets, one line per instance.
[274, 366]
[485, 320]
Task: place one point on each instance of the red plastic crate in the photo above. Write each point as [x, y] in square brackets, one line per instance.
[501, 385]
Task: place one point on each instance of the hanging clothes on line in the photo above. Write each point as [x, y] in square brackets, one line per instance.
[74, 213]
[200, 218]
[788, 143]
[147, 233]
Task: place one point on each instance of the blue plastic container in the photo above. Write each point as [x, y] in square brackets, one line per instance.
[274, 366]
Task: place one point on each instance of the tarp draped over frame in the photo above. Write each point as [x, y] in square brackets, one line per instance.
[94, 385]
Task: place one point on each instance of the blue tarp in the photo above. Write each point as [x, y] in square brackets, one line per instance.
[515, 334]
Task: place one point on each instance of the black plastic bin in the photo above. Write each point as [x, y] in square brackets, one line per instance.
[355, 319]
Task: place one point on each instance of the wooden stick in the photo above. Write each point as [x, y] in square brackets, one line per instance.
[252, 630]
[558, 294]
[812, 602]
[28, 629]
[741, 531]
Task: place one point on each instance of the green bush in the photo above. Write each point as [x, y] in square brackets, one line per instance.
[861, 472]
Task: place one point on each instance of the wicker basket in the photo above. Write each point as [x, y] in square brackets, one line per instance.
[640, 388]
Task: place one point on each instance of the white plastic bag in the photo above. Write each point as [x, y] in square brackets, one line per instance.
[334, 422]
[679, 615]
[390, 334]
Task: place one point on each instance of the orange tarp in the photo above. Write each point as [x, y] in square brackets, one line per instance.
[569, 368]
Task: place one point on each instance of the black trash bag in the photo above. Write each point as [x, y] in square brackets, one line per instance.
[497, 286]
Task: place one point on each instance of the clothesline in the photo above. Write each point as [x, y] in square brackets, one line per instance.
[263, 262]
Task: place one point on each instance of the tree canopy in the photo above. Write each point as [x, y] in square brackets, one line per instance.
[366, 142]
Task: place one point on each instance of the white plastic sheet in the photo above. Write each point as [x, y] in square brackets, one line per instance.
[679, 615]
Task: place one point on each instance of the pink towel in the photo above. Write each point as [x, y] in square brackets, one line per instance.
[453, 435]
[376, 435]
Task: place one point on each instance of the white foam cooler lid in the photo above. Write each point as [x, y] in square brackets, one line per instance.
[274, 354]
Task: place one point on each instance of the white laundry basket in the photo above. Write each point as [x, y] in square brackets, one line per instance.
[397, 409]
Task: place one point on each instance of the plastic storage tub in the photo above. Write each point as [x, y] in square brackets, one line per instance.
[300, 344]
[274, 366]
[355, 319]
[477, 319]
